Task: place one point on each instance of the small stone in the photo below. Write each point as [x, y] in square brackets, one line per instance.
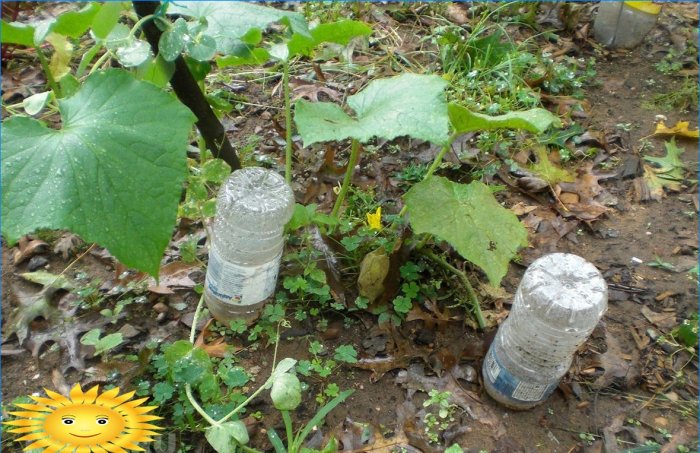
[161, 308]
[568, 198]
[129, 331]
[36, 262]
[661, 422]
[266, 115]
[188, 318]
[673, 396]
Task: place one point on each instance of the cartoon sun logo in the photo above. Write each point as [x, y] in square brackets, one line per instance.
[86, 422]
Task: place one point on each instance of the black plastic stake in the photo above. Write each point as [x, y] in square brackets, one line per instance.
[186, 88]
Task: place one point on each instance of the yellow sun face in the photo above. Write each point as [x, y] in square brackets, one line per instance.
[86, 422]
[83, 424]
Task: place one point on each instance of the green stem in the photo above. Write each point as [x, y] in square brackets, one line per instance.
[436, 163]
[262, 387]
[291, 441]
[197, 407]
[438, 159]
[138, 24]
[49, 77]
[188, 388]
[248, 449]
[476, 308]
[424, 240]
[100, 61]
[352, 161]
[87, 58]
[287, 122]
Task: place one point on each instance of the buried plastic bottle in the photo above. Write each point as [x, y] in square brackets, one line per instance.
[557, 305]
[247, 240]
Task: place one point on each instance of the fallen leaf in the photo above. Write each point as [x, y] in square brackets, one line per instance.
[173, 275]
[649, 186]
[48, 279]
[522, 209]
[681, 129]
[31, 306]
[310, 91]
[664, 321]
[616, 369]
[59, 382]
[26, 249]
[567, 105]
[414, 378]
[457, 13]
[546, 170]
[373, 270]
[66, 245]
[400, 357]
[64, 329]
[217, 348]
[612, 433]
[670, 169]
[365, 438]
[587, 207]
[431, 317]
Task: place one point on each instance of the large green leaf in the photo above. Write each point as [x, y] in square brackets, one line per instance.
[336, 32]
[75, 23]
[470, 219]
[72, 24]
[228, 22]
[533, 120]
[113, 173]
[17, 33]
[409, 104]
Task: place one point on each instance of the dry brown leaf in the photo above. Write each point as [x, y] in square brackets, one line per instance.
[173, 275]
[586, 187]
[362, 437]
[66, 244]
[26, 249]
[414, 378]
[522, 209]
[404, 351]
[615, 365]
[648, 187]
[681, 129]
[664, 320]
[216, 348]
[457, 13]
[311, 91]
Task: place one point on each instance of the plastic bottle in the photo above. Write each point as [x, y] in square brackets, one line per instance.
[557, 305]
[624, 24]
[245, 249]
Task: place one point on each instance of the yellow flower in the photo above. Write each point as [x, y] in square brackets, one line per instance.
[375, 220]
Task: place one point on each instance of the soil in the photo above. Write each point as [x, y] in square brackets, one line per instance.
[621, 245]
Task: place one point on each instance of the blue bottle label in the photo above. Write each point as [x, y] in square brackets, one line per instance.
[511, 387]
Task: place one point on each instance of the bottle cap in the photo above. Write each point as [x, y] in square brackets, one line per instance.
[646, 7]
[256, 196]
[566, 289]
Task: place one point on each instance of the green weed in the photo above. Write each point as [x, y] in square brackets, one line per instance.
[684, 98]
